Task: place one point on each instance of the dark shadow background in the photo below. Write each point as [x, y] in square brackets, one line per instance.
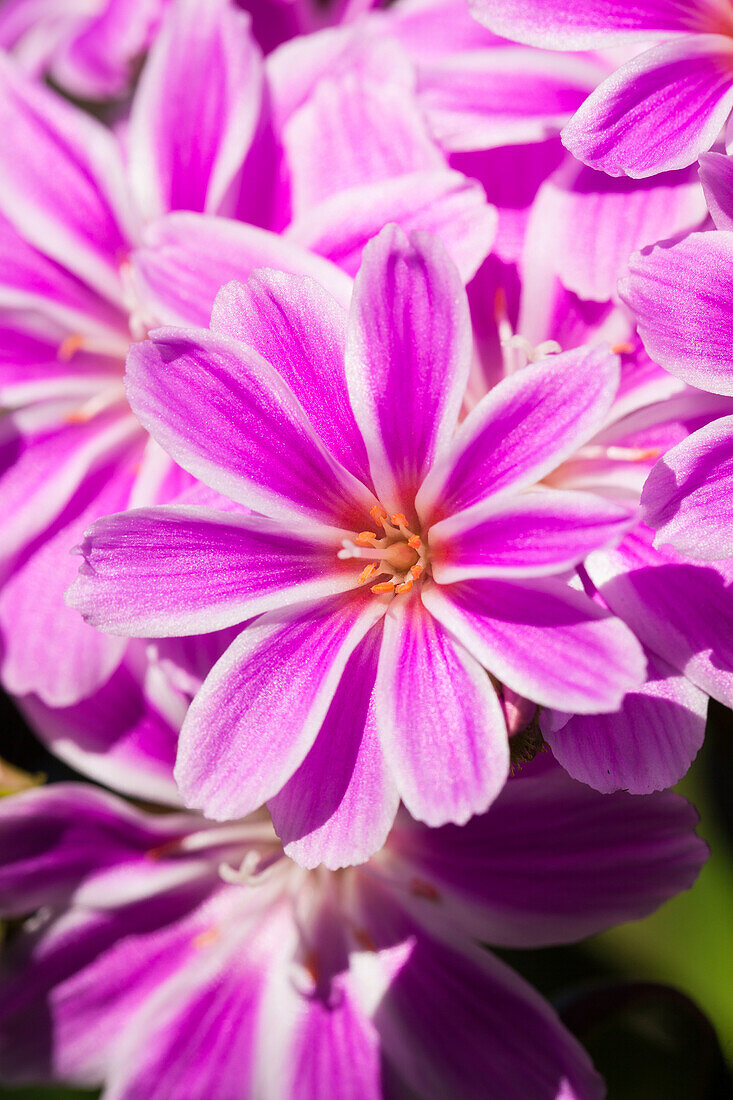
[652, 1000]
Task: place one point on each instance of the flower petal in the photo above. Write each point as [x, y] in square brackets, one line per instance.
[230, 419]
[98, 61]
[260, 709]
[576, 24]
[688, 496]
[407, 358]
[212, 1009]
[716, 177]
[332, 1046]
[353, 132]
[532, 534]
[170, 571]
[455, 1021]
[41, 472]
[47, 648]
[683, 303]
[185, 258]
[553, 861]
[681, 610]
[523, 429]
[438, 201]
[659, 111]
[42, 296]
[73, 989]
[62, 182]
[544, 640]
[294, 324]
[492, 98]
[338, 807]
[118, 736]
[55, 837]
[439, 719]
[196, 108]
[596, 222]
[647, 746]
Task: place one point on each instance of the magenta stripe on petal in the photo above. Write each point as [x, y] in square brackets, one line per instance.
[227, 417]
[688, 496]
[161, 572]
[682, 298]
[338, 808]
[534, 533]
[577, 24]
[260, 709]
[657, 112]
[195, 109]
[300, 329]
[62, 181]
[440, 722]
[407, 358]
[543, 639]
[525, 427]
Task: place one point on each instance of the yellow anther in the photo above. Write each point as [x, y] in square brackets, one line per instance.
[400, 588]
[415, 542]
[382, 588]
[69, 347]
[365, 538]
[398, 520]
[367, 572]
[377, 513]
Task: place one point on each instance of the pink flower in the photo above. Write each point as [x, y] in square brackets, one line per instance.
[170, 957]
[395, 557]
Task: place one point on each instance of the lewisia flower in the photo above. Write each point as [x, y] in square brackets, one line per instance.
[95, 246]
[662, 108]
[682, 298]
[395, 557]
[169, 957]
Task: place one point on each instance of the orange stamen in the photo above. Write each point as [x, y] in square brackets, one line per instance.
[423, 889]
[415, 542]
[377, 513]
[364, 940]
[381, 589]
[163, 851]
[416, 570]
[69, 347]
[401, 588]
[622, 349]
[500, 309]
[398, 520]
[204, 939]
[364, 538]
[310, 962]
[367, 572]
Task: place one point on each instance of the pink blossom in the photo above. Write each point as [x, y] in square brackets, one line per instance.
[169, 956]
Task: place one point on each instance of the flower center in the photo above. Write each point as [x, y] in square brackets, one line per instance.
[399, 554]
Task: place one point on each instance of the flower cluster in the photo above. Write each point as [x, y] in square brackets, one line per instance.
[366, 482]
